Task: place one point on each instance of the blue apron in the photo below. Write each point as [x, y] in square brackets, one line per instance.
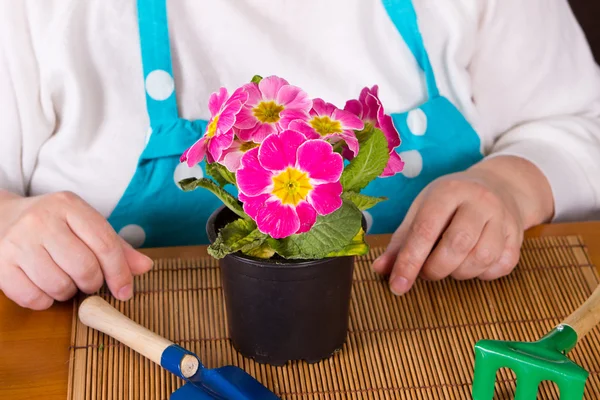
[436, 138]
[154, 211]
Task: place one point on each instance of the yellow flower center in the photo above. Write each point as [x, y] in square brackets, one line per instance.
[212, 127]
[267, 112]
[325, 126]
[248, 146]
[291, 186]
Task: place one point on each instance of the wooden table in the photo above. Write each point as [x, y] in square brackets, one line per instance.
[34, 355]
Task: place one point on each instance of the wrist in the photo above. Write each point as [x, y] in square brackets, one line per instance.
[9, 203]
[526, 185]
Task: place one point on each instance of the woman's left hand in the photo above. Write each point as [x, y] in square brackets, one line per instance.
[468, 225]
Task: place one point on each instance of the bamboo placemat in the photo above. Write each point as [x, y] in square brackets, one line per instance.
[419, 346]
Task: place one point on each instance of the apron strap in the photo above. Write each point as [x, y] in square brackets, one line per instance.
[161, 101]
[403, 15]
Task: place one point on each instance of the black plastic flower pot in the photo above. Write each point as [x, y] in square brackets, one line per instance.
[281, 310]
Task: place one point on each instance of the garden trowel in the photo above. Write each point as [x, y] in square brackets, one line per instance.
[225, 383]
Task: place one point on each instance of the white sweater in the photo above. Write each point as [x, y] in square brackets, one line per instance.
[72, 103]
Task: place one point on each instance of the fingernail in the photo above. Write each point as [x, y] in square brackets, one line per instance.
[399, 285]
[149, 261]
[125, 292]
[377, 265]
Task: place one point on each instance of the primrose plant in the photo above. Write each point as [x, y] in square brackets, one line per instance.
[297, 167]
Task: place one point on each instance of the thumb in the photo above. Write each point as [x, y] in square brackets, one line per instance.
[138, 262]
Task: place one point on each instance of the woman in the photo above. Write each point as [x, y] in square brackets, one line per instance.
[497, 104]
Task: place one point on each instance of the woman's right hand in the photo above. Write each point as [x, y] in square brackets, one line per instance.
[53, 244]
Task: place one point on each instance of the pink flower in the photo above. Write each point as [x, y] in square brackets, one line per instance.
[330, 123]
[287, 181]
[232, 157]
[219, 132]
[368, 107]
[272, 104]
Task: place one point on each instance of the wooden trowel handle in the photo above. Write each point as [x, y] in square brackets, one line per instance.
[586, 317]
[98, 314]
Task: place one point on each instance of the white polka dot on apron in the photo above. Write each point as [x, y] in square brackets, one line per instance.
[413, 163]
[159, 85]
[133, 234]
[182, 171]
[417, 122]
[148, 134]
[369, 219]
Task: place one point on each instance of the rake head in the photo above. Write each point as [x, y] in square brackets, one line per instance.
[544, 360]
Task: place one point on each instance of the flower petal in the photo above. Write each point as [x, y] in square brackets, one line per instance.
[253, 204]
[386, 124]
[252, 178]
[278, 152]
[307, 215]
[216, 101]
[326, 198]
[293, 98]
[254, 95]
[347, 154]
[355, 107]
[257, 134]
[371, 108]
[227, 116]
[219, 143]
[352, 142]
[278, 220]
[322, 108]
[304, 128]
[395, 165]
[270, 86]
[196, 153]
[232, 160]
[366, 91]
[348, 120]
[240, 95]
[287, 116]
[245, 119]
[316, 157]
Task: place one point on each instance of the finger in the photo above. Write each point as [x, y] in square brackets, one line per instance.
[41, 269]
[18, 287]
[139, 263]
[430, 221]
[456, 243]
[485, 254]
[74, 257]
[509, 257]
[385, 262]
[104, 242]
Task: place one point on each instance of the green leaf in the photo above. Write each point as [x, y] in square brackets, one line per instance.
[239, 235]
[262, 251]
[231, 202]
[330, 233]
[101, 347]
[221, 174]
[369, 163]
[358, 247]
[362, 201]
[256, 79]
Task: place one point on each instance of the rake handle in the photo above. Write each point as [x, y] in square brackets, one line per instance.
[98, 314]
[586, 317]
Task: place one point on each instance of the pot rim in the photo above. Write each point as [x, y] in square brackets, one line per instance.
[262, 262]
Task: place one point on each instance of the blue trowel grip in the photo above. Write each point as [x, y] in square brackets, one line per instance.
[179, 361]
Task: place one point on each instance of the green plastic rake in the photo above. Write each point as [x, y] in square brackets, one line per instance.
[544, 360]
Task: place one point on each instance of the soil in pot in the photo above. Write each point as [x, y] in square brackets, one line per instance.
[280, 310]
